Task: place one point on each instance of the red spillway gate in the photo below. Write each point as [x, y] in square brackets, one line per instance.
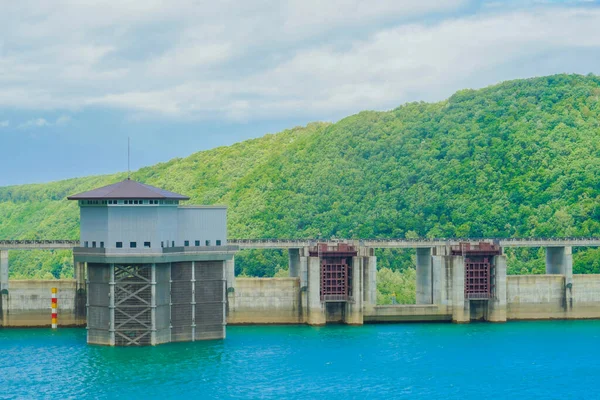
[336, 270]
[479, 269]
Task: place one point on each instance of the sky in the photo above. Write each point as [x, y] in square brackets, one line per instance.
[78, 77]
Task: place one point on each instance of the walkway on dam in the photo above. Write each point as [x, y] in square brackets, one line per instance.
[371, 243]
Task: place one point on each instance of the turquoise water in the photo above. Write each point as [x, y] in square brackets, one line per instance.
[418, 361]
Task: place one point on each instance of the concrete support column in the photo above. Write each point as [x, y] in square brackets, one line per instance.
[111, 304]
[370, 282]
[316, 309]
[4, 286]
[294, 262]
[424, 276]
[461, 312]
[497, 305]
[559, 261]
[193, 296]
[441, 251]
[79, 273]
[440, 295]
[304, 271]
[153, 340]
[354, 310]
[3, 270]
[230, 273]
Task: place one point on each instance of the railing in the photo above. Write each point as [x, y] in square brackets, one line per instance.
[371, 242]
[21, 242]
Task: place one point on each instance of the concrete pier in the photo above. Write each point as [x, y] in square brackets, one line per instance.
[316, 308]
[559, 261]
[424, 276]
[230, 274]
[354, 308]
[294, 262]
[370, 283]
[497, 304]
[461, 312]
[3, 270]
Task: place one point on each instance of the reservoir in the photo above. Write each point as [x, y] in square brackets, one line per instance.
[546, 359]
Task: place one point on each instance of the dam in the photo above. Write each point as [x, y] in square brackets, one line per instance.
[149, 271]
[445, 291]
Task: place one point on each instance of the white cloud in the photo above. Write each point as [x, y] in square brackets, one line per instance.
[34, 123]
[4, 124]
[43, 122]
[266, 59]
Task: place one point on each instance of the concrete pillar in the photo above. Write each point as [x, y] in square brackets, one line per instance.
[316, 309]
[441, 251]
[4, 287]
[111, 304]
[424, 276]
[79, 273]
[294, 262]
[440, 295]
[304, 271]
[153, 339]
[461, 312]
[497, 305]
[230, 273]
[354, 309]
[559, 260]
[370, 282]
[3, 270]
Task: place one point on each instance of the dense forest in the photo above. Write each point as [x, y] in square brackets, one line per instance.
[521, 158]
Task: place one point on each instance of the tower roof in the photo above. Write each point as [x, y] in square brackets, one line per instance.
[128, 189]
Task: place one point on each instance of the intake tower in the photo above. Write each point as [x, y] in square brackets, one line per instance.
[155, 270]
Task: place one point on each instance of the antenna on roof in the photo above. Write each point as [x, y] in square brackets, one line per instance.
[128, 158]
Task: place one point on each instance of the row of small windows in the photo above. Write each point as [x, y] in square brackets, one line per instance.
[86, 244]
[186, 243]
[133, 245]
[127, 202]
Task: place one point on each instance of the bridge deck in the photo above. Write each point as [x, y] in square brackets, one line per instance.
[371, 243]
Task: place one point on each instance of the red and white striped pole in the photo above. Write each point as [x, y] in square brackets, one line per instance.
[54, 309]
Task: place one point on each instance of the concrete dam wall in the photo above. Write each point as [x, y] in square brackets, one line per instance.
[282, 301]
[266, 301]
[549, 297]
[28, 303]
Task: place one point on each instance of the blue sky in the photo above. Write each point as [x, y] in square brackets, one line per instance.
[77, 77]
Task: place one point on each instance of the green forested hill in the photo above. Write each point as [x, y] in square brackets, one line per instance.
[521, 158]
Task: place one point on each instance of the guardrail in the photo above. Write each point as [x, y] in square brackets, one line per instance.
[372, 242]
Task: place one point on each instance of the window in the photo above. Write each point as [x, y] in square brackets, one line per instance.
[85, 244]
[146, 244]
[135, 202]
[197, 243]
[162, 244]
[119, 245]
[101, 245]
[207, 243]
[133, 245]
[218, 242]
[94, 244]
[186, 243]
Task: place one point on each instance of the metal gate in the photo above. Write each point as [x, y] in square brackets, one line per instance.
[478, 278]
[336, 282]
[336, 270]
